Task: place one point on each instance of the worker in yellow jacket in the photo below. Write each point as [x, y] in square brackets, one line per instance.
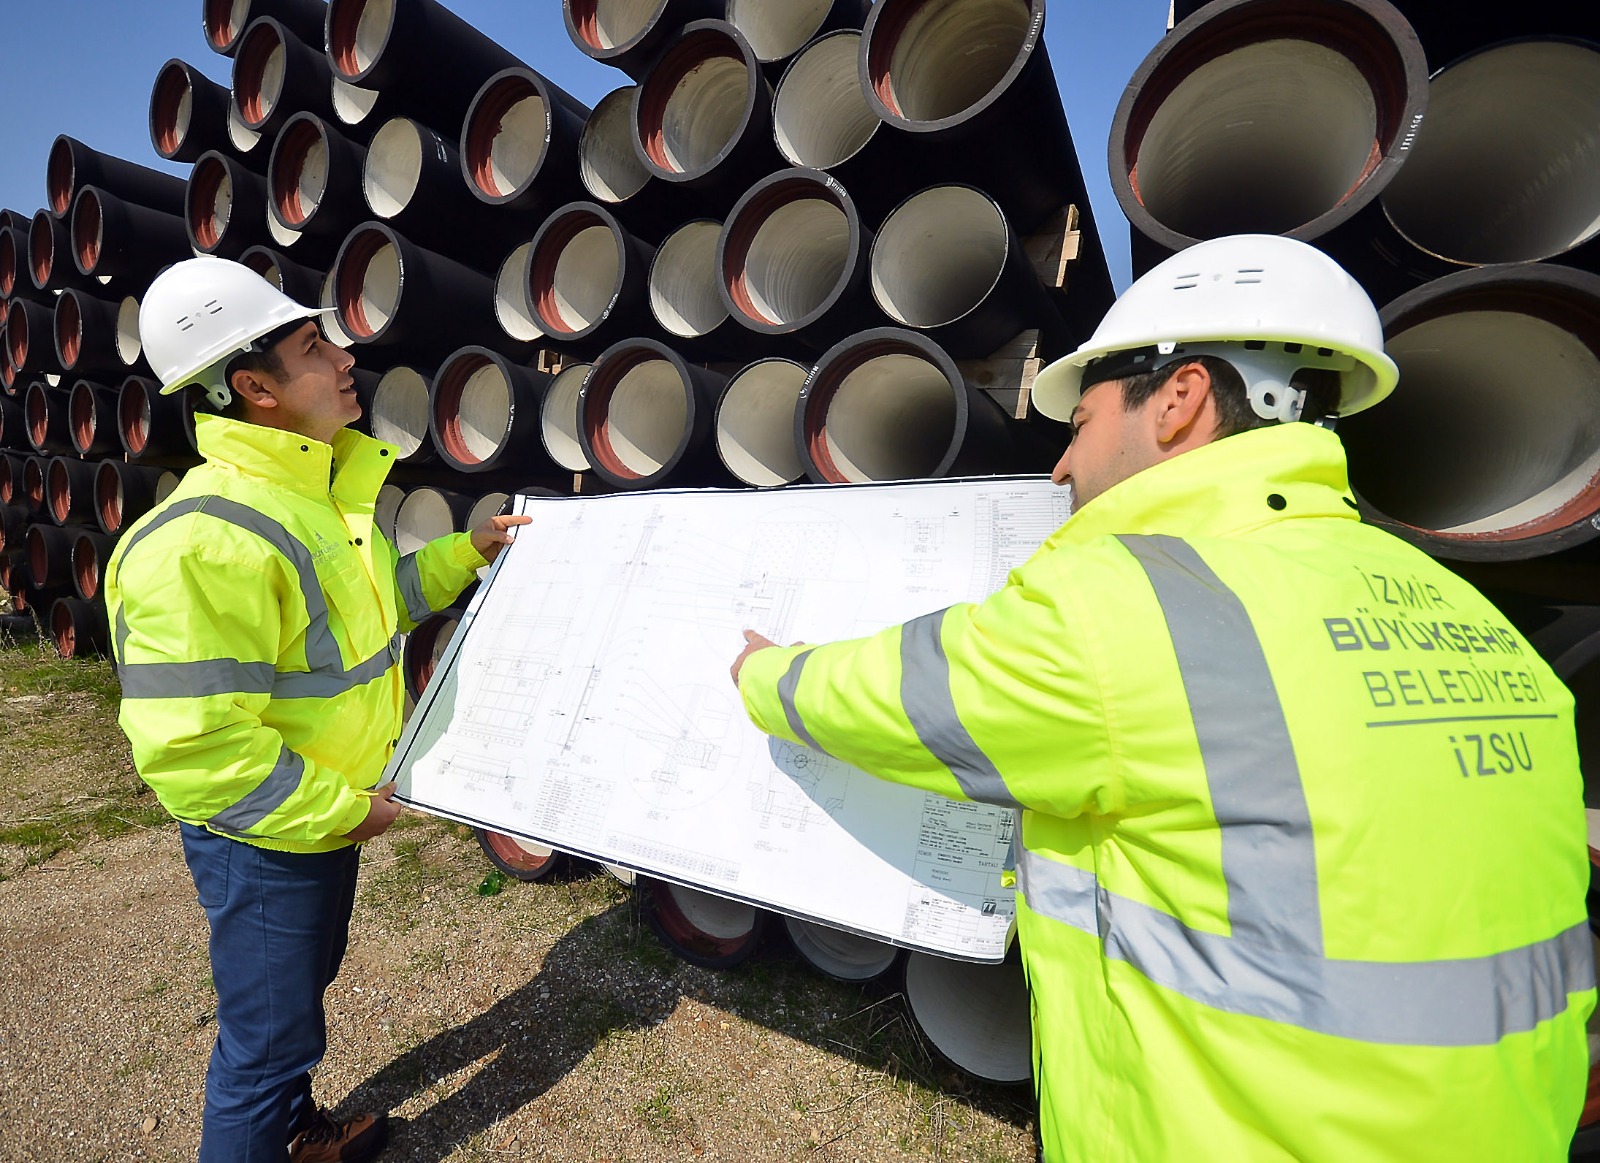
[1303, 864]
[256, 616]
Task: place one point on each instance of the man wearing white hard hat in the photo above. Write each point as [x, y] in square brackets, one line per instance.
[1303, 865]
[256, 616]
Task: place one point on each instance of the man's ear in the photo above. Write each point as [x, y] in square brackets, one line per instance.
[1182, 401]
[253, 388]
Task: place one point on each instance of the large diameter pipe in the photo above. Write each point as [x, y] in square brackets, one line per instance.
[703, 117]
[977, 1017]
[519, 859]
[13, 535]
[30, 339]
[152, 426]
[686, 302]
[821, 121]
[188, 112]
[1449, 30]
[90, 553]
[226, 211]
[49, 429]
[50, 266]
[646, 418]
[390, 292]
[412, 180]
[485, 413]
[792, 260]
[755, 423]
[838, 954]
[33, 472]
[386, 507]
[227, 21]
[73, 165]
[92, 419]
[14, 279]
[113, 238]
[558, 418]
[49, 550]
[250, 146]
[890, 404]
[315, 178]
[130, 345]
[702, 928]
[13, 434]
[778, 31]
[425, 648]
[301, 283]
[125, 492]
[589, 277]
[69, 489]
[1505, 167]
[418, 46]
[628, 34]
[79, 628]
[519, 144]
[1272, 119]
[1490, 448]
[401, 411]
[276, 75]
[612, 174]
[513, 304]
[947, 262]
[86, 335]
[429, 513]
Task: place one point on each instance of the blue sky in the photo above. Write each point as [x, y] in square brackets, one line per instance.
[85, 67]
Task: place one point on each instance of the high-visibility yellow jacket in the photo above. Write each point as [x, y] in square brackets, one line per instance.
[1303, 861]
[255, 617]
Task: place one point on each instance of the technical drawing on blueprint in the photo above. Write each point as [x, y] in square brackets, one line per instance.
[585, 702]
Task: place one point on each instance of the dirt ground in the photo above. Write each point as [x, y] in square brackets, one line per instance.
[542, 1020]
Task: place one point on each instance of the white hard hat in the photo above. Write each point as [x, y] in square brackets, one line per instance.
[1269, 305]
[200, 312]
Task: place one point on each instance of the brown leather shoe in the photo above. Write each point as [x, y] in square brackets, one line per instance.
[353, 1141]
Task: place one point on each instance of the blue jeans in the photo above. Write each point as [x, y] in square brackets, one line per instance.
[279, 925]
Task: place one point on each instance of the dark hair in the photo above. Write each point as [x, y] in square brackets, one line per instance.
[263, 360]
[1234, 413]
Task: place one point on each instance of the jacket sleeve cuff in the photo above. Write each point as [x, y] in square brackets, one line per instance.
[463, 553]
[758, 688]
[355, 812]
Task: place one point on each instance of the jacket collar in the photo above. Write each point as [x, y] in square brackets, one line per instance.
[1224, 488]
[352, 468]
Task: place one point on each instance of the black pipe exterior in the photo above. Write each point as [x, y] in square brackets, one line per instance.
[50, 556]
[475, 427]
[90, 552]
[276, 75]
[685, 268]
[315, 178]
[829, 16]
[225, 213]
[188, 113]
[685, 457]
[13, 434]
[92, 419]
[429, 303]
[73, 166]
[612, 174]
[86, 335]
[123, 493]
[973, 436]
[30, 340]
[422, 648]
[623, 307]
[79, 628]
[154, 428]
[638, 46]
[301, 283]
[49, 426]
[124, 239]
[70, 489]
[519, 142]
[49, 256]
[225, 34]
[15, 280]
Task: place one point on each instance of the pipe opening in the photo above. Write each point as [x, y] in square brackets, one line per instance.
[36, 414]
[60, 176]
[210, 202]
[424, 516]
[33, 482]
[224, 21]
[473, 409]
[791, 263]
[513, 309]
[488, 505]
[637, 426]
[558, 419]
[755, 423]
[9, 264]
[1506, 166]
[977, 1016]
[38, 553]
[942, 57]
[703, 922]
[358, 30]
[610, 24]
[369, 284]
[17, 334]
[262, 263]
[776, 31]
[41, 247]
[683, 281]
[58, 490]
[394, 167]
[283, 237]
[243, 139]
[69, 330]
[1264, 139]
[300, 177]
[839, 954]
[386, 507]
[820, 115]
[64, 630]
[426, 652]
[259, 73]
[81, 416]
[88, 230]
[607, 163]
[171, 109]
[332, 320]
[881, 417]
[86, 568]
[353, 104]
[577, 273]
[400, 409]
[133, 418]
[1495, 428]
[129, 345]
[507, 139]
[938, 256]
[694, 103]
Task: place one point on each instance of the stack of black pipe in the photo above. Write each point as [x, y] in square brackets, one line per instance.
[1445, 154]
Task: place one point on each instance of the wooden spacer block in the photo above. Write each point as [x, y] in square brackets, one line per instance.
[1053, 246]
[1007, 376]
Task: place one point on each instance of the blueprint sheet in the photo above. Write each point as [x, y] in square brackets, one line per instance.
[585, 700]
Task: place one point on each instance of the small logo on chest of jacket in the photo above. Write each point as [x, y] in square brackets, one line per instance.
[323, 549]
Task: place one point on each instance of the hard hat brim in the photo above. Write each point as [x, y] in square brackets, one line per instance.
[192, 375]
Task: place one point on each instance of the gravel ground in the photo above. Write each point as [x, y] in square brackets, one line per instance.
[544, 1019]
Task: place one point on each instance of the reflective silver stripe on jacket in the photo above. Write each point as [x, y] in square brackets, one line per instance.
[408, 575]
[786, 689]
[931, 708]
[326, 677]
[267, 797]
[1472, 1001]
